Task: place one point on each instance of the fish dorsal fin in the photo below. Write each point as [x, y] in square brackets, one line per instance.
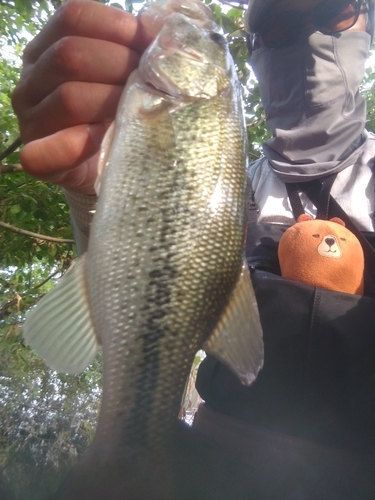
[103, 156]
[237, 340]
[59, 328]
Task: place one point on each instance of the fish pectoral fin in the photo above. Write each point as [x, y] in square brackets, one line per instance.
[237, 340]
[103, 156]
[60, 328]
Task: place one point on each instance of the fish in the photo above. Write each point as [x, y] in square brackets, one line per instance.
[164, 274]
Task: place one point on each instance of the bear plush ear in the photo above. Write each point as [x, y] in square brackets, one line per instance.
[304, 218]
[338, 221]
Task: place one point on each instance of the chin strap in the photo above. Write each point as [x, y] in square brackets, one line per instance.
[321, 192]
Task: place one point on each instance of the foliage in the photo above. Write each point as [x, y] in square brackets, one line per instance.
[232, 23]
[368, 90]
[22, 18]
[46, 419]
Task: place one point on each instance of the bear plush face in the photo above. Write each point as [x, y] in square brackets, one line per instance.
[330, 246]
[322, 253]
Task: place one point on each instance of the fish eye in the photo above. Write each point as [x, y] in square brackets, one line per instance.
[217, 38]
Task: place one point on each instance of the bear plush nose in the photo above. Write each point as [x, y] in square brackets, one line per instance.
[329, 241]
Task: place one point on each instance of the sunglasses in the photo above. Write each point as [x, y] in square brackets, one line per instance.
[283, 29]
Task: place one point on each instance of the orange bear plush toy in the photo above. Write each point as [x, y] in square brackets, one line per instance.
[322, 253]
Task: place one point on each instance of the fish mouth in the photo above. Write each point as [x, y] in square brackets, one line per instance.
[162, 82]
[152, 89]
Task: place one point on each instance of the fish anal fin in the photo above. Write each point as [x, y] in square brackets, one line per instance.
[59, 327]
[237, 340]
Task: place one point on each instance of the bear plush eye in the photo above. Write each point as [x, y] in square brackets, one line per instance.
[315, 235]
[343, 239]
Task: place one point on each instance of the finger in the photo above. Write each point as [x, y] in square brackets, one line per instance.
[55, 158]
[75, 59]
[71, 104]
[89, 19]
[82, 178]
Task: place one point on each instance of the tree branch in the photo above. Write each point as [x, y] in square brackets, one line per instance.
[4, 282]
[253, 155]
[237, 4]
[47, 279]
[4, 311]
[8, 169]
[10, 149]
[34, 235]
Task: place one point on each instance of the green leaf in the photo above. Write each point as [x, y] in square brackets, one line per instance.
[228, 24]
[241, 33]
[235, 13]
[15, 209]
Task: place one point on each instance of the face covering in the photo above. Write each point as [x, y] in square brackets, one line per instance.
[310, 93]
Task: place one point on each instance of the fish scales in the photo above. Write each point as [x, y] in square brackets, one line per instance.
[164, 273]
[183, 247]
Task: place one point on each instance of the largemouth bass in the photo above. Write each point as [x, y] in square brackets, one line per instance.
[164, 274]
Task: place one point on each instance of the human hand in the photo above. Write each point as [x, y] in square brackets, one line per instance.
[72, 79]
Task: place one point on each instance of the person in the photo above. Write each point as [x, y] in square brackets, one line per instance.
[305, 427]
[308, 419]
